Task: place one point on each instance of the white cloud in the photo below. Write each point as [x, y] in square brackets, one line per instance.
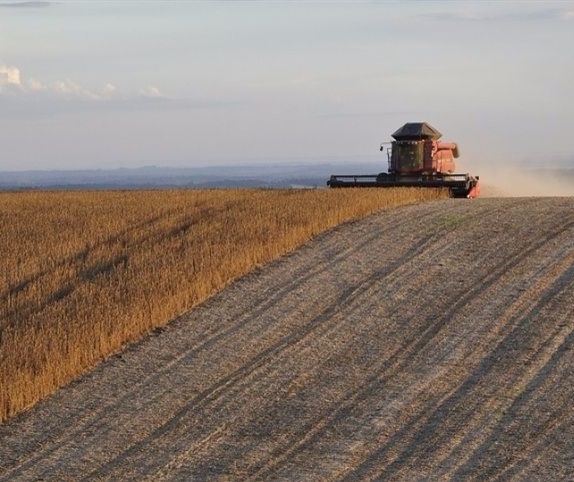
[568, 15]
[110, 89]
[9, 78]
[35, 85]
[12, 81]
[71, 89]
[153, 92]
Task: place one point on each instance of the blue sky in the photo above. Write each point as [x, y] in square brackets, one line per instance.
[88, 84]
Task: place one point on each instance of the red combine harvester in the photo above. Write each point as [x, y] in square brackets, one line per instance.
[416, 159]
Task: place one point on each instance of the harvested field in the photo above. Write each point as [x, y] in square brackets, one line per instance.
[83, 273]
[433, 341]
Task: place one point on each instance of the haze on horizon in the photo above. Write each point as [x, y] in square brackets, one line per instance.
[124, 84]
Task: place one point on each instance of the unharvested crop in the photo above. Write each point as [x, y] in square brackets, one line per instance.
[84, 273]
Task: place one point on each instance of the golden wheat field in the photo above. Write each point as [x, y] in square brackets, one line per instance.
[84, 273]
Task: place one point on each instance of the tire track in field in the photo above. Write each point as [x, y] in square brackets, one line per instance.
[417, 425]
[83, 428]
[248, 315]
[557, 288]
[217, 391]
[372, 294]
[291, 453]
[323, 326]
[460, 413]
[548, 357]
[422, 439]
[396, 362]
[413, 259]
[562, 421]
[271, 368]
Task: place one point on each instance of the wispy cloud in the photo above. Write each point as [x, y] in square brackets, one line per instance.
[9, 78]
[25, 4]
[153, 92]
[25, 97]
[12, 83]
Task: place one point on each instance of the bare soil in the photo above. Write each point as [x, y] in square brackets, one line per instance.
[428, 342]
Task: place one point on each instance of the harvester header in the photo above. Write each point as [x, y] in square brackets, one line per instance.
[416, 158]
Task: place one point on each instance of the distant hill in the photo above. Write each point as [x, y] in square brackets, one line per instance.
[274, 176]
[497, 181]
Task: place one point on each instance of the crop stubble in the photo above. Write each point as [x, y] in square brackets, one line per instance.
[433, 340]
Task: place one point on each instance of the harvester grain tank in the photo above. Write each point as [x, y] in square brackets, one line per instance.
[417, 158]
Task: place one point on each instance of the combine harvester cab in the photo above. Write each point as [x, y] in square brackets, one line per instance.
[417, 159]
